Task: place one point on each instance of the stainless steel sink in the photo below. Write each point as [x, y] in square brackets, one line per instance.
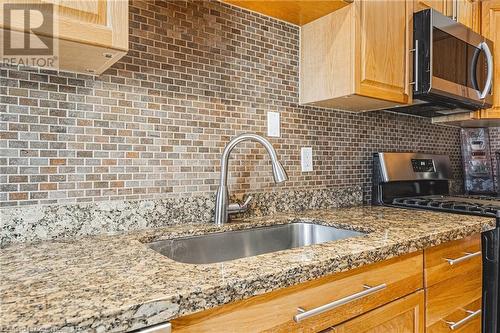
[223, 246]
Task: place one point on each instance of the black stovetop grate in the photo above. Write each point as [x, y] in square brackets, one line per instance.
[451, 206]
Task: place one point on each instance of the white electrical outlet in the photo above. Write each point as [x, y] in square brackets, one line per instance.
[306, 159]
[273, 124]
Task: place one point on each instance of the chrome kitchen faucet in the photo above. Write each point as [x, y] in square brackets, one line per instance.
[222, 206]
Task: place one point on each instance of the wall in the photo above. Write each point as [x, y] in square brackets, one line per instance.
[154, 126]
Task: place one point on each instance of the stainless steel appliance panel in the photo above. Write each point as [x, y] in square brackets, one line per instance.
[402, 166]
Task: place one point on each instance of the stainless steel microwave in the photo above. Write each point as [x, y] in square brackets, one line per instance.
[453, 65]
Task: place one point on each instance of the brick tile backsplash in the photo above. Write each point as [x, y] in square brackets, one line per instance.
[154, 125]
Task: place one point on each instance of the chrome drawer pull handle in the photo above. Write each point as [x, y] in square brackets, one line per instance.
[303, 314]
[454, 325]
[467, 256]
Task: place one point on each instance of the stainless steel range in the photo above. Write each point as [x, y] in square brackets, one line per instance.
[421, 181]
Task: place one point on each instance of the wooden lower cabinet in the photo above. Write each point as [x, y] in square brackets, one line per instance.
[457, 258]
[402, 316]
[453, 280]
[275, 311]
[452, 301]
[470, 326]
[402, 302]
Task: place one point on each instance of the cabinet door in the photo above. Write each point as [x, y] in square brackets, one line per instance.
[439, 5]
[403, 316]
[437, 269]
[491, 30]
[87, 11]
[383, 26]
[468, 12]
[91, 34]
[94, 22]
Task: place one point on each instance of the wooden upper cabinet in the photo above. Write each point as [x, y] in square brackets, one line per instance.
[345, 57]
[467, 12]
[91, 34]
[439, 5]
[480, 118]
[298, 12]
[96, 22]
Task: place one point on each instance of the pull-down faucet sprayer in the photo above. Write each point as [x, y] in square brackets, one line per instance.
[222, 206]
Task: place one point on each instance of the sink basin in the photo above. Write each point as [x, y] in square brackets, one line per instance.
[223, 246]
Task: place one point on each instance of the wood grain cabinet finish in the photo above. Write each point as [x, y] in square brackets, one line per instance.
[298, 12]
[92, 34]
[460, 257]
[405, 315]
[467, 12]
[491, 29]
[456, 294]
[274, 312]
[471, 326]
[453, 280]
[439, 5]
[480, 118]
[345, 61]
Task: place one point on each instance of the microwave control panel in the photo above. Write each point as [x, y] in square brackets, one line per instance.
[423, 165]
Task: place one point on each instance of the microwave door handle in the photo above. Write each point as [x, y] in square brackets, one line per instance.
[489, 75]
[473, 68]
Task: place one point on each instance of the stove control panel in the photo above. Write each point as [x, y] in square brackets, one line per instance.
[423, 165]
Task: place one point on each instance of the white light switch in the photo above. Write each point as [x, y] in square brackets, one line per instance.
[273, 124]
[306, 159]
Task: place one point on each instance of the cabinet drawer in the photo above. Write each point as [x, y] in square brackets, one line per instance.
[454, 258]
[448, 299]
[466, 320]
[275, 311]
[404, 315]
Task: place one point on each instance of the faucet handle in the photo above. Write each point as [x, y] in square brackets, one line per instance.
[239, 208]
[247, 201]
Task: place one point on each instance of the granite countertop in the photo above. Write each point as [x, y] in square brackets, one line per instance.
[116, 283]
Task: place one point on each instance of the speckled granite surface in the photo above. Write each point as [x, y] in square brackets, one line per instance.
[34, 223]
[116, 283]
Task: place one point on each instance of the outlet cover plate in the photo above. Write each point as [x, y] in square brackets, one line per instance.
[306, 159]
